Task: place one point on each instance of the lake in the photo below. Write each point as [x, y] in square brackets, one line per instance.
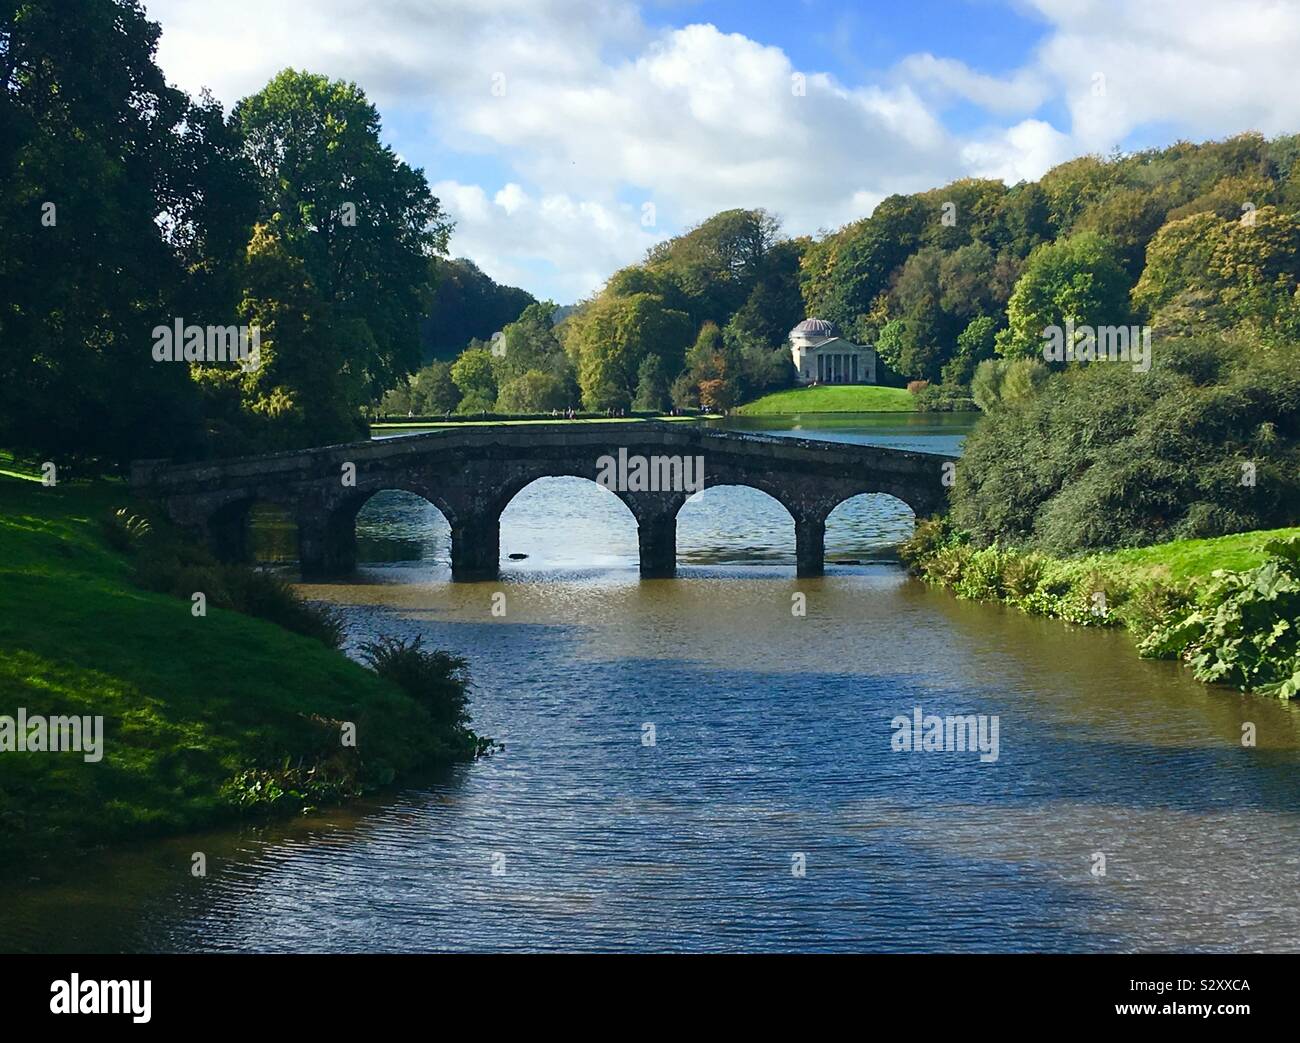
[690, 764]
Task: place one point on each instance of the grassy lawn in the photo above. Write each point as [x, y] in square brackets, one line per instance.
[188, 703]
[832, 398]
[1187, 559]
[10, 469]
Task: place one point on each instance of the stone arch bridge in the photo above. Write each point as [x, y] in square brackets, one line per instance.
[471, 473]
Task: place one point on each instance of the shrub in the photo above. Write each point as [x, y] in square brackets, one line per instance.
[943, 398]
[256, 592]
[1033, 582]
[986, 384]
[289, 789]
[125, 531]
[949, 563]
[981, 577]
[1022, 379]
[937, 553]
[1244, 628]
[927, 537]
[438, 681]
[1090, 598]
[1101, 457]
[1021, 574]
[1152, 602]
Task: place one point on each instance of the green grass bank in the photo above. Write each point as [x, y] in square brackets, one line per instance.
[205, 718]
[832, 398]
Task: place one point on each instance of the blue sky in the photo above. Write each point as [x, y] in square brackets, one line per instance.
[567, 136]
[858, 41]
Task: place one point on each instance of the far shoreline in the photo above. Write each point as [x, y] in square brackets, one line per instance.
[818, 400]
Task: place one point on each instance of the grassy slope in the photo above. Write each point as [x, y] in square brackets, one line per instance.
[1187, 559]
[827, 398]
[188, 702]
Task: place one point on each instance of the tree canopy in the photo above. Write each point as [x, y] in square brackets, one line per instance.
[130, 206]
[467, 305]
[362, 221]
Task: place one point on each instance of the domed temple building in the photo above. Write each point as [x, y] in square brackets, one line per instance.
[822, 356]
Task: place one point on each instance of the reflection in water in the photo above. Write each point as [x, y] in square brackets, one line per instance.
[395, 527]
[919, 432]
[734, 524]
[571, 522]
[772, 739]
[273, 533]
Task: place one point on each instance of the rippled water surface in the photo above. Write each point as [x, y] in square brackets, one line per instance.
[771, 748]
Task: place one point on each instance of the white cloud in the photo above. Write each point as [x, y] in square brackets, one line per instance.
[513, 237]
[946, 77]
[1204, 67]
[1020, 153]
[703, 121]
[397, 50]
[589, 112]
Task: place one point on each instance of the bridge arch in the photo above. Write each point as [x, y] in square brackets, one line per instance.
[398, 524]
[708, 515]
[582, 499]
[476, 547]
[327, 531]
[364, 497]
[866, 522]
[228, 525]
[522, 478]
[272, 533]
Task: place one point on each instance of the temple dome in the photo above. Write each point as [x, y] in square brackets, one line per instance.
[816, 328]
